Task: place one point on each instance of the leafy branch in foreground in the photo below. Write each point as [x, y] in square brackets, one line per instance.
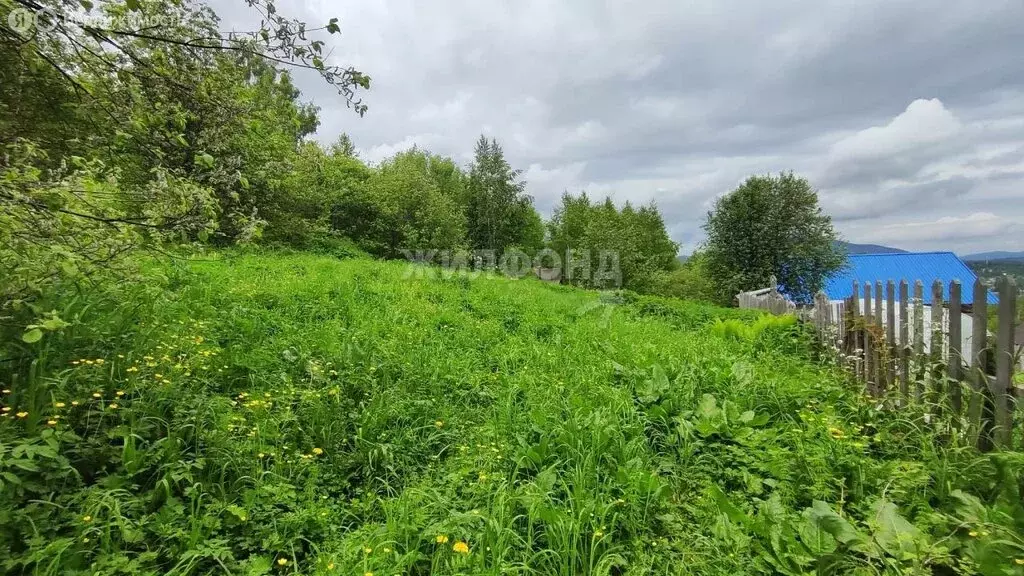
[116, 34]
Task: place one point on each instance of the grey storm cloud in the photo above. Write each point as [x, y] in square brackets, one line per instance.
[907, 116]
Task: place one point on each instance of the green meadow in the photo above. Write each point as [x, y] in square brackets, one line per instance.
[301, 414]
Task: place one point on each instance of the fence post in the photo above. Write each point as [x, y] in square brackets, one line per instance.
[935, 357]
[1004, 389]
[904, 343]
[880, 344]
[954, 369]
[858, 335]
[979, 408]
[918, 339]
[869, 342]
[890, 333]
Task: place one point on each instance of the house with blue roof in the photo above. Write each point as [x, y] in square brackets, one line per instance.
[909, 266]
[924, 266]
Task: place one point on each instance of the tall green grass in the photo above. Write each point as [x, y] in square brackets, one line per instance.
[299, 414]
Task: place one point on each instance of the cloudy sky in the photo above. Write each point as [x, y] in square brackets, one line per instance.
[908, 117]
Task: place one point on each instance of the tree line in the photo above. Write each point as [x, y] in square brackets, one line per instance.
[119, 137]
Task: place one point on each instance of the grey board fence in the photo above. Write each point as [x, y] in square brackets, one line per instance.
[943, 354]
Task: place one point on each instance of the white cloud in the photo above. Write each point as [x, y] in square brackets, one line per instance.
[923, 123]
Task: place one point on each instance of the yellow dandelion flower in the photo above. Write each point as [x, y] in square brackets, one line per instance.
[6, 408]
[368, 574]
[460, 547]
[75, 362]
[60, 404]
[74, 402]
[86, 519]
[51, 422]
[1019, 561]
[318, 451]
[330, 566]
[97, 395]
[5, 391]
[113, 406]
[120, 356]
[442, 539]
[260, 455]
[120, 393]
[387, 550]
[367, 550]
[99, 360]
[132, 369]
[282, 561]
[972, 534]
[21, 414]
[836, 433]
[88, 362]
[439, 423]
[598, 534]
[158, 376]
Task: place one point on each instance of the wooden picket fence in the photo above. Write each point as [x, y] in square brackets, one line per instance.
[880, 336]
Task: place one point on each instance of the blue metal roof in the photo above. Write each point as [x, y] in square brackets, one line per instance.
[924, 266]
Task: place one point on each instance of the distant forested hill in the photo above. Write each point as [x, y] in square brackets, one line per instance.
[867, 248]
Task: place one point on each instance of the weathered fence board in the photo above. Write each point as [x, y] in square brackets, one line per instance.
[879, 336]
[955, 361]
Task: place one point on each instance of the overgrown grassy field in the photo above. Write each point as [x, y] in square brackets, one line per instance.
[298, 414]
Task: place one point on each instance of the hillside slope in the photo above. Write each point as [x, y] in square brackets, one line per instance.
[301, 414]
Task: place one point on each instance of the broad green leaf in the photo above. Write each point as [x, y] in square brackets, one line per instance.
[892, 532]
[822, 515]
[728, 508]
[32, 336]
[332, 26]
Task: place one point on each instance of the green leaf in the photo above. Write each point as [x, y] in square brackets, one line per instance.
[53, 324]
[814, 538]
[823, 516]
[205, 160]
[892, 532]
[318, 62]
[133, 5]
[86, 4]
[32, 336]
[238, 512]
[332, 26]
[728, 508]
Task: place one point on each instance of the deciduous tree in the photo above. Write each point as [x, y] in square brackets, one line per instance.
[770, 226]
